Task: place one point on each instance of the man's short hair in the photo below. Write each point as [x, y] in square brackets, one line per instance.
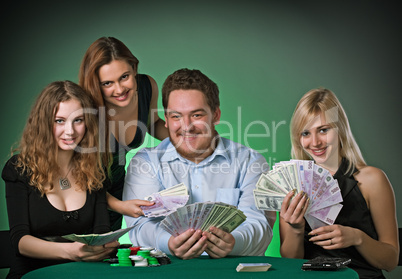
[191, 79]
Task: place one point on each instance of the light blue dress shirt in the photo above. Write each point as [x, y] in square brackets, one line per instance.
[229, 175]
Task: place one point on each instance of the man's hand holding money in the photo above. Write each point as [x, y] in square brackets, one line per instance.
[188, 245]
[220, 243]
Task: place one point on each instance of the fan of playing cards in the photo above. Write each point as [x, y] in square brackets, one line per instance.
[202, 216]
[301, 175]
[166, 201]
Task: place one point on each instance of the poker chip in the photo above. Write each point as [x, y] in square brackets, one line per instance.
[141, 263]
[155, 253]
[144, 257]
[123, 256]
[146, 248]
[144, 253]
[134, 250]
[152, 261]
[136, 258]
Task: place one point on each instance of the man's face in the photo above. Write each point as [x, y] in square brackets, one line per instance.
[191, 124]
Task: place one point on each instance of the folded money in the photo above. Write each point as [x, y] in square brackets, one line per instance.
[97, 239]
[177, 190]
[166, 201]
[202, 216]
[301, 175]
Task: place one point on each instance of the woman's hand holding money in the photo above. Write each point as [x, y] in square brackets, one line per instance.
[292, 211]
[188, 245]
[86, 253]
[220, 243]
[292, 224]
[132, 207]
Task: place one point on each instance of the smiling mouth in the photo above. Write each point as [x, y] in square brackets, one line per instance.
[319, 152]
[69, 141]
[122, 97]
[188, 136]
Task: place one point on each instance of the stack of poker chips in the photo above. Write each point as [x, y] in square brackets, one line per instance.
[161, 257]
[139, 256]
[144, 258]
[123, 256]
[139, 260]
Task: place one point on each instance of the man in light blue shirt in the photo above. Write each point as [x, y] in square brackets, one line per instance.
[213, 169]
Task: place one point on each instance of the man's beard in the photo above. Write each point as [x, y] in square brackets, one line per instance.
[198, 153]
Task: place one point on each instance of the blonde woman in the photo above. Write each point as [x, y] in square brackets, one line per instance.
[54, 185]
[366, 229]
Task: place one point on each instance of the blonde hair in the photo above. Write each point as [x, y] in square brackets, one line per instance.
[38, 147]
[314, 103]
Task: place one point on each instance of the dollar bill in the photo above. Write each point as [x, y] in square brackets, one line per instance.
[300, 175]
[291, 170]
[231, 222]
[277, 176]
[264, 183]
[203, 216]
[98, 239]
[268, 202]
[176, 190]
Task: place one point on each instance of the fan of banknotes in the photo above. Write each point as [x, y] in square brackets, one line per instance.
[301, 175]
[166, 201]
[202, 216]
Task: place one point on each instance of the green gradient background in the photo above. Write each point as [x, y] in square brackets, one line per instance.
[263, 55]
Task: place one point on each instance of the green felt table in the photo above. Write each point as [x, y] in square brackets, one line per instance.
[202, 267]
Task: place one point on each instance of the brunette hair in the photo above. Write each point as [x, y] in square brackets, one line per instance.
[311, 105]
[191, 79]
[38, 149]
[101, 52]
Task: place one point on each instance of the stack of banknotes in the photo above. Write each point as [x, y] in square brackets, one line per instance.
[202, 216]
[166, 201]
[301, 176]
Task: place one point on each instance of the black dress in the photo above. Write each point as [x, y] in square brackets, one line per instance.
[120, 151]
[354, 213]
[31, 214]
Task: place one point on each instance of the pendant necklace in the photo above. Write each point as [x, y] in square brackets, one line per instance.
[64, 182]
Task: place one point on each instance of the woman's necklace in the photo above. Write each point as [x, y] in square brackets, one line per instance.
[64, 182]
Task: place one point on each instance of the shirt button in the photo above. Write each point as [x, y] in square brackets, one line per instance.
[196, 186]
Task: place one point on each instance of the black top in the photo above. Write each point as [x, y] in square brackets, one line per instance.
[31, 214]
[354, 213]
[119, 151]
